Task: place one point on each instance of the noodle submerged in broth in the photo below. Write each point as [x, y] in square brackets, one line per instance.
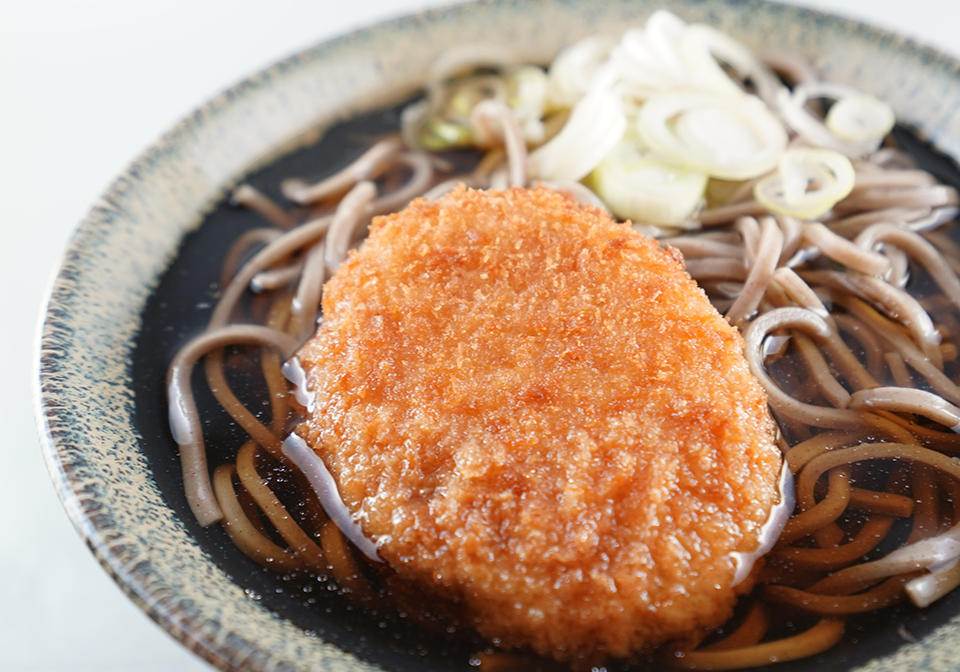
[794, 209]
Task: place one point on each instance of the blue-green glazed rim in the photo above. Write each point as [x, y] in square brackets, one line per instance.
[84, 394]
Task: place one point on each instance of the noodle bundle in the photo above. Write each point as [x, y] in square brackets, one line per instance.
[795, 211]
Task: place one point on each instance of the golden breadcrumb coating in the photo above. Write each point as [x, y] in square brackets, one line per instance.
[542, 420]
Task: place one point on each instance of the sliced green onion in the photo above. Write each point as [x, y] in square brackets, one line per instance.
[808, 183]
[812, 129]
[527, 88]
[574, 71]
[472, 90]
[730, 137]
[647, 59]
[595, 126]
[438, 135]
[639, 188]
[701, 46]
[860, 118]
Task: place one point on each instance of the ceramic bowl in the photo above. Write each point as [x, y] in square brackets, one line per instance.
[101, 414]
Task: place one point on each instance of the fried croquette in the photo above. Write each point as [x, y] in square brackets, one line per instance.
[542, 421]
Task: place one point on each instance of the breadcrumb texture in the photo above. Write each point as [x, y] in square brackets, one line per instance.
[542, 421]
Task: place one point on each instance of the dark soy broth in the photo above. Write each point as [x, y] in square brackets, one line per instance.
[180, 308]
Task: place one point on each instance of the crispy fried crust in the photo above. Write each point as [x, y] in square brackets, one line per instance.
[540, 417]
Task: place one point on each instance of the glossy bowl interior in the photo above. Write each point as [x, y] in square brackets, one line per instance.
[100, 421]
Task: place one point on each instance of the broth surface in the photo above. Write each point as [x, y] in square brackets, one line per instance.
[179, 309]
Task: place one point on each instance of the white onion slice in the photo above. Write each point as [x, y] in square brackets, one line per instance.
[728, 137]
[322, 482]
[595, 126]
[808, 183]
[644, 190]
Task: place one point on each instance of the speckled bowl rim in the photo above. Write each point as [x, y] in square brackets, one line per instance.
[83, 391]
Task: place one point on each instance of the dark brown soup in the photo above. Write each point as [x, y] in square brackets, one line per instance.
[180, 308]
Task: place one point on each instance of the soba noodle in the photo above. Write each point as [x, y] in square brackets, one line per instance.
[850, 319]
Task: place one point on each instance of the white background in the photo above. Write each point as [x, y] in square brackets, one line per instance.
[84, 88]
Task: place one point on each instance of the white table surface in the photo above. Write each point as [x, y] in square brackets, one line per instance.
[84, 88]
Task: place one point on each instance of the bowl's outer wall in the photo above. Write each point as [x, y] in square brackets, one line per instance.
[85, 398]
